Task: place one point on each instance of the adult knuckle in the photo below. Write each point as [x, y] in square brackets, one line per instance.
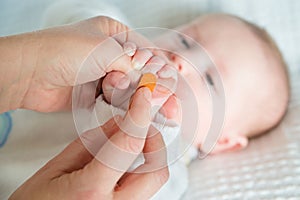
[101, 18]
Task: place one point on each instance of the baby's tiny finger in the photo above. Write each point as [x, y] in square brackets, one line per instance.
[140, 58]
[154, 65]
[167, 81]
[167, 71]
[162, 54]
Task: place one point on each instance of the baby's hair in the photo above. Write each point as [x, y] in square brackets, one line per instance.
[273, 95]
[265, 37]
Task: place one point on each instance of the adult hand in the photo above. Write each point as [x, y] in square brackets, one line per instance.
[41, 68]
[76, 174]
[117, 86]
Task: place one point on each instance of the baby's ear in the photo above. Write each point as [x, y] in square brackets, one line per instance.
[230, 143]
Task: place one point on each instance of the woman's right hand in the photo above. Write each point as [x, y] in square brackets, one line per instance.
[76, 174]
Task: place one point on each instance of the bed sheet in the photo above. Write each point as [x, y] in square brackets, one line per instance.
[270, 167]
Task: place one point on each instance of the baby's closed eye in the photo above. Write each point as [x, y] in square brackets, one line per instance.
[209, 79]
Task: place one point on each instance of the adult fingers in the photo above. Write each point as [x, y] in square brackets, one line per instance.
[106, 53]
[95, 138]
[110, 54]
[136, 37]
[117, 89]
[115, 83]
[154, 151]
[144, 186]
[118, 153]
[147, 179]
[82, 150]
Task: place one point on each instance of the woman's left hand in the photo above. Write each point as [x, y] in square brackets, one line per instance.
[42, 67]
[76, 174]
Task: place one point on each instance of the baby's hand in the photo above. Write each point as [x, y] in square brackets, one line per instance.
[122, 82]
[118, 87]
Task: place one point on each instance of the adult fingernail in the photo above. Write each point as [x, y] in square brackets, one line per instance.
[129, 48]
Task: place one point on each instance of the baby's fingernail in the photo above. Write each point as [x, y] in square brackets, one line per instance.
[136, 64]
[123, 83]
[167, 72]
[129, 48]
[157, 60]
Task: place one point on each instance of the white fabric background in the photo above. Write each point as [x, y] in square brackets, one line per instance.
[268, 169]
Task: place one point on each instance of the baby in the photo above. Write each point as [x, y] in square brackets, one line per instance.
[253, 74]
[251, 67]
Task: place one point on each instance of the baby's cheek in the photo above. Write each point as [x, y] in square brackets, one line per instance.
[204, 117]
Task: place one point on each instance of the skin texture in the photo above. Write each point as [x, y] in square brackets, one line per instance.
[249, 67]
[38, 71]
[43, 80]
[41, 67]
[116, 85]
[76, 174]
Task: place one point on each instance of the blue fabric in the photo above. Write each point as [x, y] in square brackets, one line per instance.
[5, 127]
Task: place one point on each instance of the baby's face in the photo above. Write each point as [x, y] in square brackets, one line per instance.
[232, 47]
[189, 59]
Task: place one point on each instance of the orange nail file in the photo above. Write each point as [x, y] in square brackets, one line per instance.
[148, 80]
